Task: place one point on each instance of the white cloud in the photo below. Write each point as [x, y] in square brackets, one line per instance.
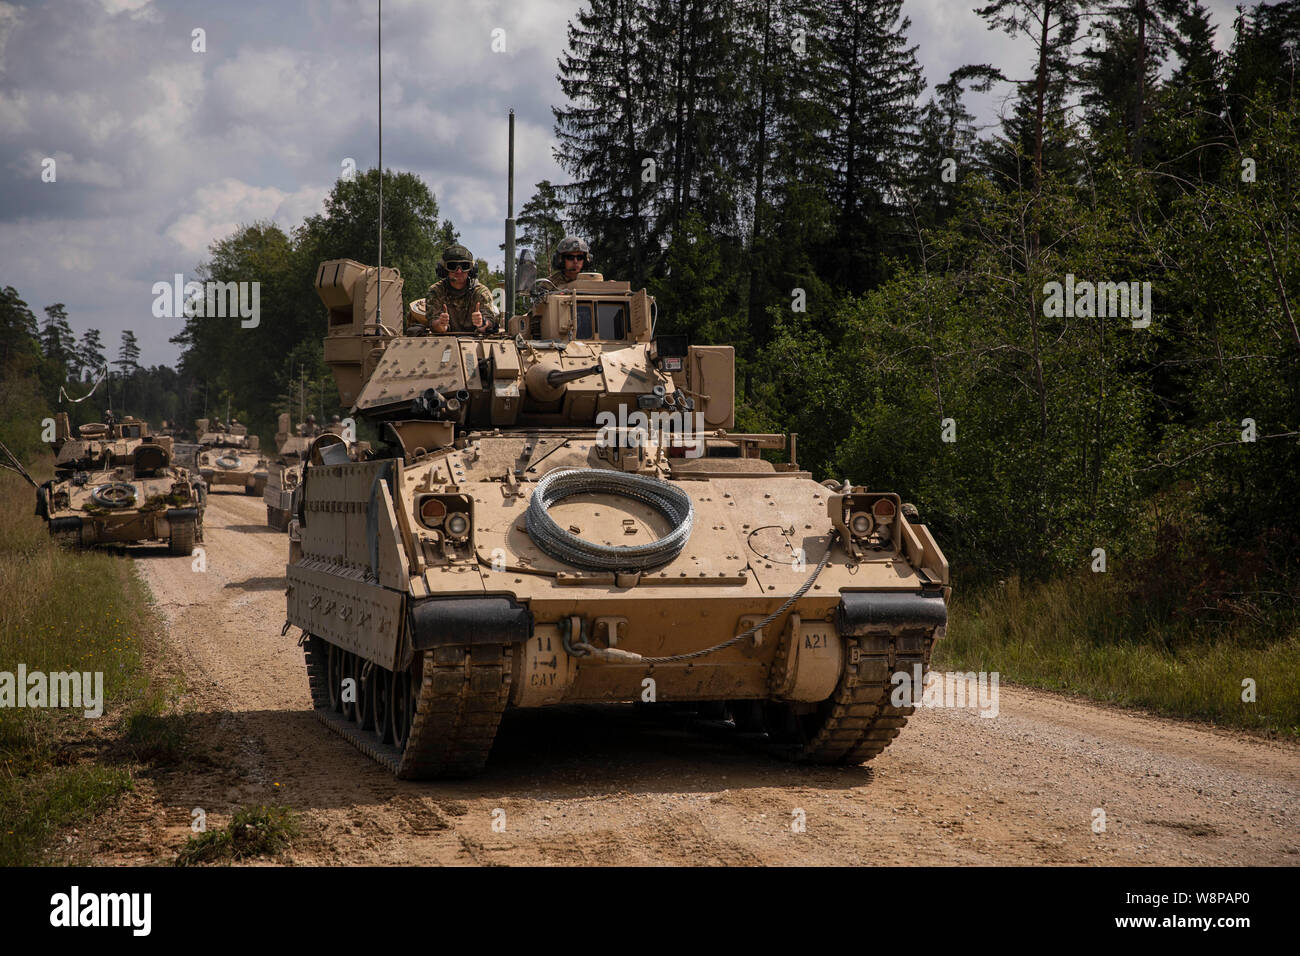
[218, 209]
[136, 8]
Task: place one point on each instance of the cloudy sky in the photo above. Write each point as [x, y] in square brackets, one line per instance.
[159, 149]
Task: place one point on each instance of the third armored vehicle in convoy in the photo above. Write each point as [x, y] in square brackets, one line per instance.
[115, 483]
[284, 475]
[228, 455]
[562, 513]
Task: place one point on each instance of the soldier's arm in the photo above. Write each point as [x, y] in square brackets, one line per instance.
[434, 305]
[485, 306]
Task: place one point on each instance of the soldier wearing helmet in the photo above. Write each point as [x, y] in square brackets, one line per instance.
[458, 302]
[572, 256]
[310, 429]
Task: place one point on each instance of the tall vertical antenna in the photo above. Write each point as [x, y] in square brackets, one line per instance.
[379, 56]
[510, 227]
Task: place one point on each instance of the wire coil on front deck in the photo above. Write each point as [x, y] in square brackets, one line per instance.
[671, 502]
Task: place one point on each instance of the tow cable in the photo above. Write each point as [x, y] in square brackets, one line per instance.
[613, 655]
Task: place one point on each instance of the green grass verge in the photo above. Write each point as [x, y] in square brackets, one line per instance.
[65, 611]
[1086, 635]
[252, 832]
[33, 808]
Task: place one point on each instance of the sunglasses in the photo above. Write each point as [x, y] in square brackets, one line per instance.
[459, 266]
[574, 258]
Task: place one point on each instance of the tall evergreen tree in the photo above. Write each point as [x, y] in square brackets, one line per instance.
[1037, 130]
[947, 146]
[694, 122]
[865, 87]
[541, 221]
[128, 354]
[1265, 52]
[90, 352]
[610, 80]
[1120, 76]
[57, 341]
[19, 337]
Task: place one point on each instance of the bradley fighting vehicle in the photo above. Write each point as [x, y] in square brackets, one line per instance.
[284, 475]
[563, 514]
[115, 482]
[228, 455]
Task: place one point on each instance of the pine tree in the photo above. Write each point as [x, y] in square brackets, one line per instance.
[128, 354]
[90, 352]
[1188, 134]
[865, 90]
[1037, 128]
[541, 221]
[1265, 53]
[57, 341]
[694, 122]
[1121, 70]
[607, 75]
[947, 145]
[19, 337]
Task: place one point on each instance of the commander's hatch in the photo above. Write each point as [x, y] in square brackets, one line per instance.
[407, 368]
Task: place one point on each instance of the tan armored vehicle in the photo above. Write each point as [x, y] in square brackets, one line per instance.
[115, 482]
[562, 514]
[284, 475]
[228, 455]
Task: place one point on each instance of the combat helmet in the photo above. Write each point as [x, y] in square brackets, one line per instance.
[456, 253]
[571, 244]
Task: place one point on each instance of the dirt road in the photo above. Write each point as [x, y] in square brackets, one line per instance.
[602, 786]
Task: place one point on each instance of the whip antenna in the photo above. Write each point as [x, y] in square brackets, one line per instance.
[379, 57]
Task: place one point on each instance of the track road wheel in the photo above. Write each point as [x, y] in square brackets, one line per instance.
[363, 713]
[181, 541]
[349, 672]
[334, 677]
[402, 707]
[381, 705]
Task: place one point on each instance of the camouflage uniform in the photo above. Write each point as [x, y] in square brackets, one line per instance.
[460, 306]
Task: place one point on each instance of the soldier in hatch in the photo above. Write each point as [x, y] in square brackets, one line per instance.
[458, 302]
[572, 257]
[310, 429]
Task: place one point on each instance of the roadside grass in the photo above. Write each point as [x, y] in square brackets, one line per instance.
[252, 832]
[68, 611]
[1087, 635]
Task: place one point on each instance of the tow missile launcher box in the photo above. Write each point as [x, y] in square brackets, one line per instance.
[561, 513]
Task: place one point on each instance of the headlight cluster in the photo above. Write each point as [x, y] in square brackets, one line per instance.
[450, 514]
[865, 518]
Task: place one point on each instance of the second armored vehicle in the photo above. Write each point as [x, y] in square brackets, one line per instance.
[115, 483]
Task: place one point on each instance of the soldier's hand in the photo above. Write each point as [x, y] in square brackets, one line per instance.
[477, 319]
[442, 322]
